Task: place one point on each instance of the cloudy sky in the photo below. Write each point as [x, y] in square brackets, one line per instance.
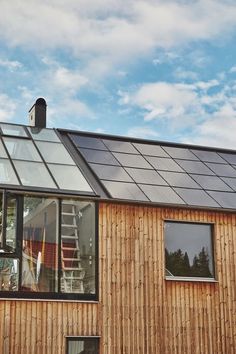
[155, 69]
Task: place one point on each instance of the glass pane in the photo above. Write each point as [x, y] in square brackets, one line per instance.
[87, 142]
[152, 150]
[99, 156]
[22, 149]
[69, 177]
[196, 197]
[40, 245]
[83, 346]
[34, 174]
[164, 164]
[9, 274]
[120, 146]
[7, 174]
[132, 160]
[16, 130]
[188, 250]
[54, 152]
[3, 151]
[195, 167]
[114, 173]
[78, 248]
[161, 194]
[124, 190]
[180, 153]
[1, 220]
[43, 134]
[11, 223]
[145, 176]
[177, 179]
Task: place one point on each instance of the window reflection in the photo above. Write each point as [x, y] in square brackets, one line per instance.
[188, 250]
[9, 270]
[83, 346]
[40, 240]
[78, 247]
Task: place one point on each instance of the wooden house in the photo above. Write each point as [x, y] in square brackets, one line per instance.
[114, 245]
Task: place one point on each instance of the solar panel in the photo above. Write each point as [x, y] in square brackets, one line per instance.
[161, 194]
[222, 170]
[87, 142]
[123, 190]
[120, 146]
[99, 156]
[194, 167]
[196, 197]
[180, 153]
[211, 183]
[131, 160]
[208, 156]
[151, 150]
[176, 179]
[164, 164]
[231, 158]
[145, 176]
[113, 173]
[225, 199]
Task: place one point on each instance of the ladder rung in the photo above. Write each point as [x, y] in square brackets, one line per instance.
[69, 225]
[70, 259]
[70, 249]
[69, 236]
[72, 268]
[69, 214]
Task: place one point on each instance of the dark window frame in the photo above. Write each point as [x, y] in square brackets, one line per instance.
[17, 254]
[80, 338]
[212, 279]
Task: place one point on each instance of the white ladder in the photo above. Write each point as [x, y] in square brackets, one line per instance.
[72, 280]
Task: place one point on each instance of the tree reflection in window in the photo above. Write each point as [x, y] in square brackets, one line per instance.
[188, 250]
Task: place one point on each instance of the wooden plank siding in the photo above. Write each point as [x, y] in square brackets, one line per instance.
[139, 312]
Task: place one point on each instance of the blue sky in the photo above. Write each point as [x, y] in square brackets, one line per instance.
[155, 69]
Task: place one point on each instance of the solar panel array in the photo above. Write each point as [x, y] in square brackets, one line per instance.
[36, 158]
[142, 171]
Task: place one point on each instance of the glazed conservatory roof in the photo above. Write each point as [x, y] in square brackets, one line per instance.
[32, 158]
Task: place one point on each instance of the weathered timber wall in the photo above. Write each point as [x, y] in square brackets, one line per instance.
[139, 312]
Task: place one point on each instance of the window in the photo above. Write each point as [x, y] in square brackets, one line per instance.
[188, 250]
[82, 345]
[48, 247]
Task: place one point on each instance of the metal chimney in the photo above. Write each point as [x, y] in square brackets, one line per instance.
[37, 114]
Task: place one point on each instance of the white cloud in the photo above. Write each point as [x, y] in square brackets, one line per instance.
[166, 101]
[218, 130]
[7, 108]
[116, 29]
[233, 69]
[183, 74]
[10, 64]
[142, 132]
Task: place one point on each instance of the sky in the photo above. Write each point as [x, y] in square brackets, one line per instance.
[154, 69]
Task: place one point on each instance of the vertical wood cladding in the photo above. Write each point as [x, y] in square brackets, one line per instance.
[139, 312]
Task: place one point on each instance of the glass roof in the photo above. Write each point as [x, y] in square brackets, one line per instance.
[34, 157]
[136, 170]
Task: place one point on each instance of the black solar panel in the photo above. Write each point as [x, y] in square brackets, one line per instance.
[149, 172]
[196, 197]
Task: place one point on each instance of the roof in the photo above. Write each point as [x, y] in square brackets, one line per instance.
[159, 172]
[116, 168]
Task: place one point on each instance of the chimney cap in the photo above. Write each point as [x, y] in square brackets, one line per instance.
[41, 101]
